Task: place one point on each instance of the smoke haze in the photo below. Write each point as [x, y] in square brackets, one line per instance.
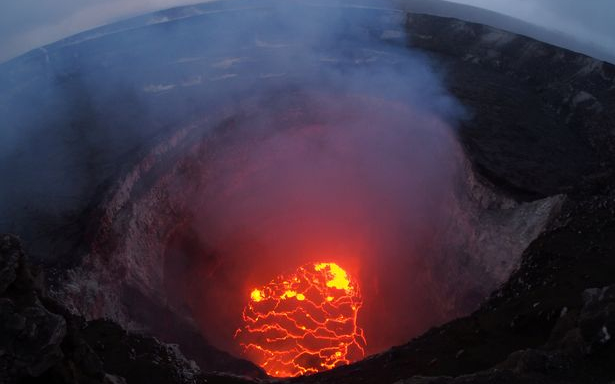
[361, 170]
[364, 183]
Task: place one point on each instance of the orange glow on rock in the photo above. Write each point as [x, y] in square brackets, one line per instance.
[304, 323]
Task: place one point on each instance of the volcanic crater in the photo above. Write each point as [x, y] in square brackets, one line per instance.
[427, 201]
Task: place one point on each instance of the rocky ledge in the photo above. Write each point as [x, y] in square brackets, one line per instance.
[41, 342]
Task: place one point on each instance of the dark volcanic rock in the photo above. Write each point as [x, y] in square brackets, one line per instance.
[173, 328]
[30, 335]
[9, 262]
[576, 356]
[134, 357]
[41, 342]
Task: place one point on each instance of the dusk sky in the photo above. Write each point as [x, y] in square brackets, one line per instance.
[28, 24]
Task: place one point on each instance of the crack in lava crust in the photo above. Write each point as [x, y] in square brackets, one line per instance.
[304, 323]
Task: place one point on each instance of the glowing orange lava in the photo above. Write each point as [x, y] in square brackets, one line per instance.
[304, 323]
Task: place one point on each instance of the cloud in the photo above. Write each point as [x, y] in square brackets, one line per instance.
[29, 24]
[587, 21]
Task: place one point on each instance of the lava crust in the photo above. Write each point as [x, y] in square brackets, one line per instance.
[306, 322]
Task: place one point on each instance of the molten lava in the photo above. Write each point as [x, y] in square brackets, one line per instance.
[304, 323]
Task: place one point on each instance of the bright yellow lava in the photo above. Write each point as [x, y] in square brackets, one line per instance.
[256, 295]
[338, 279]
[288, 294]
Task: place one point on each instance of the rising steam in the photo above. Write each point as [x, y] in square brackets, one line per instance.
[345, 152]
